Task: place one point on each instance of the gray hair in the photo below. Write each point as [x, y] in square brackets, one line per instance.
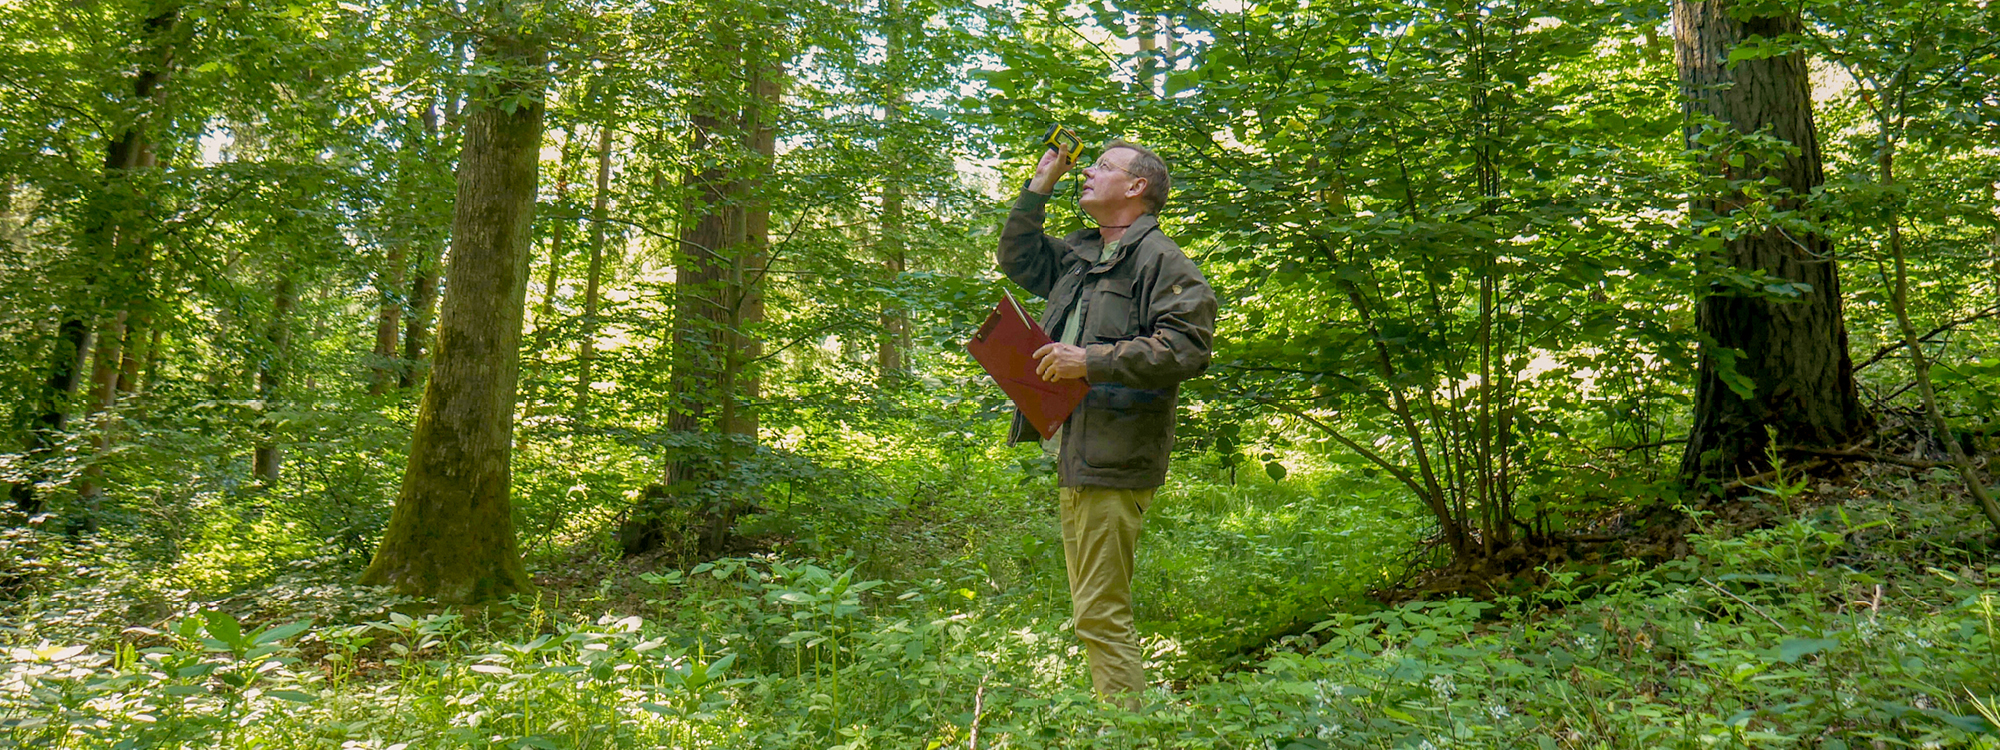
[1147, 166]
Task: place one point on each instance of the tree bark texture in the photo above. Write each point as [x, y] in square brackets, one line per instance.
[424, 281]
[451, 535]
[1794, 351]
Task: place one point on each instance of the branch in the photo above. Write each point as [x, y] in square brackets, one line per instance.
[1753, 607]
[1401, 473]
[1891, 349]
[1867, 455]
[1643, 446]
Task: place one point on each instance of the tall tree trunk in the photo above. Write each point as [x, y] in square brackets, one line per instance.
[1149, 54]
[266, 455]
[119, 274]
[389, 287]
[1793, 352]
[760, 119]
[545, 312]
[424, 282]
[151, 373]
[451, 535]
[138, 329]
[893, 339]
[600, 215]
[417, 322]
[689, 510]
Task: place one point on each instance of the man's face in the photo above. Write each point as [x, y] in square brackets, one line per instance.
[1109, 183]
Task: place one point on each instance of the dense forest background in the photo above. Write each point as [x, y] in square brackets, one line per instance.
[589, 374]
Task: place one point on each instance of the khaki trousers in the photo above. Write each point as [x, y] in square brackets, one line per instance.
[1100, 528]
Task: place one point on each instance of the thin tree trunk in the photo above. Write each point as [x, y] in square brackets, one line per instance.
[138, 328]
[451, 535]
[104, 371]
[266, 455]
[151, 374]
[1793, 352]
[895, 327]
[1920, 363]
[389, 286]
[600, 215]
[417, 324]
[424, 284]
[1149, 60]
[545, 315]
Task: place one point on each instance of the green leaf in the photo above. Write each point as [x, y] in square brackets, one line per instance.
[281, 632]
[291, 695]
[224, 627]
[1794, 649]
[1275, 470]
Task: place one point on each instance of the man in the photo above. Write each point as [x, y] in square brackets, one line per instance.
[1134, 316]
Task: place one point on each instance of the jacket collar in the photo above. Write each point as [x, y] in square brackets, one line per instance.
[1133, 234]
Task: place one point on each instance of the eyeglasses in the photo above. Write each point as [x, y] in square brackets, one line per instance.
[1102, 165]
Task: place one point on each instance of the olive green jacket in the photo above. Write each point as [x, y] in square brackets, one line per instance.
[1148, 320]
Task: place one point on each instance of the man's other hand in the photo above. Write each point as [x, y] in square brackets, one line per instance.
[1060, 362]
[1053, 166]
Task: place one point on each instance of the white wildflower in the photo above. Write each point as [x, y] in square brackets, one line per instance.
[1498, 712]
[1328, 731]
[1443, 686]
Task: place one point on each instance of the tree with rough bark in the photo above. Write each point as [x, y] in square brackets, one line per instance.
[1774, 362]
[451, 535]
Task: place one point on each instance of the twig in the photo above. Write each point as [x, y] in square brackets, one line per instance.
[1643, 446]
[1753, 607]
[1875, 456]
[978, 706]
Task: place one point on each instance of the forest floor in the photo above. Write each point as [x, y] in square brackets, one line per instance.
[1852, 613]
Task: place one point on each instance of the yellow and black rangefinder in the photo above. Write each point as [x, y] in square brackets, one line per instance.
[1064, 141]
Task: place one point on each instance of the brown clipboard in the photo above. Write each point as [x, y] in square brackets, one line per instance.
[1005, 345]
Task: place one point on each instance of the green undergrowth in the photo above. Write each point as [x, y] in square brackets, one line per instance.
[1863, 620]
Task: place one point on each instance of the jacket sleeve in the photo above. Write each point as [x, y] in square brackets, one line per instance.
[1182, 324]
[1028, 255]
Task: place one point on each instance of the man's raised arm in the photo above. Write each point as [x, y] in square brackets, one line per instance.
[1028, 255]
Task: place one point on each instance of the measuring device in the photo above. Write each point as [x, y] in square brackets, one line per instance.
[1064, 141]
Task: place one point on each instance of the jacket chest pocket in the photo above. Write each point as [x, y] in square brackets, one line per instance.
[1113, 312]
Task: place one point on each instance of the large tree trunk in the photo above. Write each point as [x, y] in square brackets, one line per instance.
[451, 535]
[1793, 351]
[760, 119]
[600, 214]
[719, 263]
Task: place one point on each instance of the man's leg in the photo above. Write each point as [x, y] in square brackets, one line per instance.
[1100, 537]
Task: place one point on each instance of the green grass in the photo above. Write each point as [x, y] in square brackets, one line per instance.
[1865, 620]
